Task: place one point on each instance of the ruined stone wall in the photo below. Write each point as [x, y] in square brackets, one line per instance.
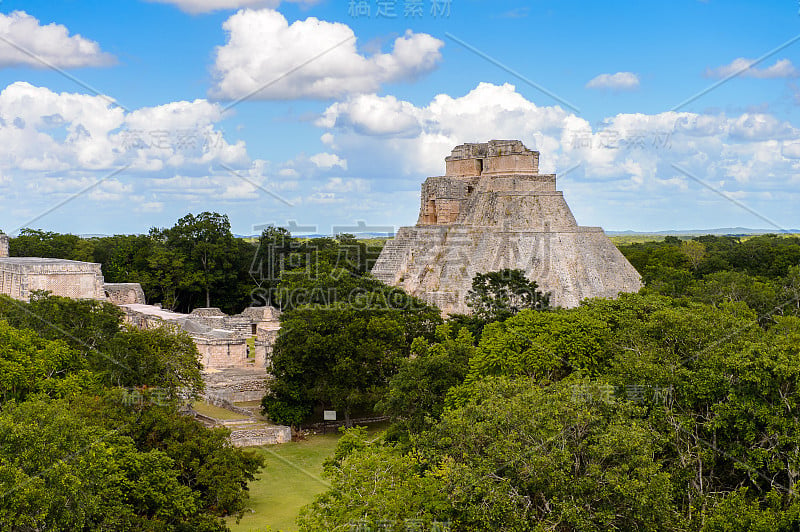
[124, 293]
[223, 353]
[236, 384]
[244, 341]
[13, 282]
[3, 245]
[149, 316]
[20, 276]
[242, 325]
[266, 313]
[443, 198]
[496, 156]
[261, 436]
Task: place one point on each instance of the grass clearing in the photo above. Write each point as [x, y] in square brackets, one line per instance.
[290, 479]
[215, 411]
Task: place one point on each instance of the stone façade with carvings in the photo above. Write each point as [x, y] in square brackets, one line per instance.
[492, 210]
[234, 350]
[21, 276]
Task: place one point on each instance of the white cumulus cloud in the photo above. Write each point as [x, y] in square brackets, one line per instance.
[25, 41]
[328, 160]
[783, 68]
[618, 81]
[625, 161]
[268, 58]
[72, 134]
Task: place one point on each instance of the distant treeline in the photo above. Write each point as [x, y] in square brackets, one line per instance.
[762, 271]
[198, 262]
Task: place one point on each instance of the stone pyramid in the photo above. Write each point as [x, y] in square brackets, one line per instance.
[494, 210]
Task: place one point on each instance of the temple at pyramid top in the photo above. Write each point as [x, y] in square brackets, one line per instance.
[493, 157]
[500, 172]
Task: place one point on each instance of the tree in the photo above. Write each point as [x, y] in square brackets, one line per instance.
[694, 250]
[84, 324]
[207, 243]
[373, 486]
[336, 357]
[60, 471]
[341, 353]
[163, 357]
[37, 243]
[515, 456]
[29, 364]
[544, 345]
[216, 471]
[501, 294]
[97, 342]
[416, 394]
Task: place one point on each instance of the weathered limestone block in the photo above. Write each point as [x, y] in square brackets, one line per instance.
[236, 384]
[124, 293]
[3, 245]
[242, 341]
[493, 210]
[21, 276]
[261, 436]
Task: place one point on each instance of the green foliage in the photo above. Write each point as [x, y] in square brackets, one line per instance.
[30, 364]
[761, 271]
[310, 271]
[353, 439]
[36, 243]
[84, 324]
[415, 396]
[739, 510]
[216, 472]
[165, 358]
[93, 348]
[342, 355]
[207, 245]
[198, 261]
[501, 294]
[643, 412]
[72, 461]
[515, 457]
[544, 345]
[61, 471]
[400, 493]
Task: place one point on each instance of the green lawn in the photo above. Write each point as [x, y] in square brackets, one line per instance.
[291, 478]
[215, 411]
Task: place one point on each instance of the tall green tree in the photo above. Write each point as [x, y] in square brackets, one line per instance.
[340, 350]
[515, 456]
[207, 244]
[501, 294]
[416, 394]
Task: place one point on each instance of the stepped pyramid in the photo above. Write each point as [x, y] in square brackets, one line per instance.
[494, 210]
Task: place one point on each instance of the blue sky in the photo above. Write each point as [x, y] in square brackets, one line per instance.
[119, 116]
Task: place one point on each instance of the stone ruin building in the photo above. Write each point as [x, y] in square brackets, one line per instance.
[21, 276]
[494, 210]
[234, 350]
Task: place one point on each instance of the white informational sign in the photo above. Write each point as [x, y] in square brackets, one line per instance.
[329, 415]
